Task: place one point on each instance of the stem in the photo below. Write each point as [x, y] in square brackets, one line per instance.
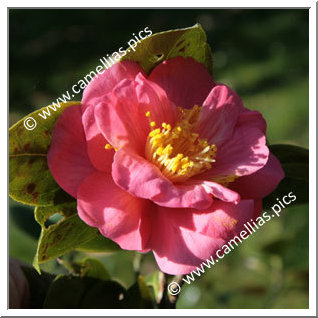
[173, 298]
[66, 264]
[169, 301]
[137, 264]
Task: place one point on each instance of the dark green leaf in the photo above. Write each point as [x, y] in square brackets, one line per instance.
[290, 153]
[300, 189]
[295, 162]
[105, 294]
[69, 292]
[187, 42]
[299, 171]
[38, 286]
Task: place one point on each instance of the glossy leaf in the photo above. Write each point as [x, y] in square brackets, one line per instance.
[187, 42]
[295, 162]
[38, 285]
[290, 153]
[69, 292]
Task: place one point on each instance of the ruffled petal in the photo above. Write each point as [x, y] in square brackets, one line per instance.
[142, 179]
[225, 220]
[219, 115]
[189, 249]
[262, 182]
[220, 192]
[100, 157]
[184, 238]
[153, 98]
[243, 154]
[252, 118]
[186, 82]
[104, 83]
[121, 116]
[93, 94]
[118, 215]
[67, 157]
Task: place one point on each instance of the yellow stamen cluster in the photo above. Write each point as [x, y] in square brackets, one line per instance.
[109, 146]
[178, 151]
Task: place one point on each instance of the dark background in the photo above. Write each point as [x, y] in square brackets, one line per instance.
[262, 54]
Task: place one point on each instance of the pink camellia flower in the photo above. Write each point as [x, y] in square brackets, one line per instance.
[171, 162]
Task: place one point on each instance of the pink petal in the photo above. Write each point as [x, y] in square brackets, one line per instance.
[186, 82]
[104, 83]
[252, 118]
[121, 116]
[100, 157]
[220, 192]
[153, 98]
[183, 238]
[219, 115]
[258, 207]
[118, 215]
[188, 250]
[143, 179]
[67, 157]
[225, 220]
[243, 154]
[93, 94]
[262, 182]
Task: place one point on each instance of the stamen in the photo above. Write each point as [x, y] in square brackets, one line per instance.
[109, 146]
[178, 151]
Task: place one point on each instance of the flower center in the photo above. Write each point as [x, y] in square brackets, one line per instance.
[179, 152]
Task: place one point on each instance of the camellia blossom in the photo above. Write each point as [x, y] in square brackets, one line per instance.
[171, 162]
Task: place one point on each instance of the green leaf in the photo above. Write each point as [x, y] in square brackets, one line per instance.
[91, 267]
[99, 244]
[187, 42]
[62, 237]
[140, 295]
[69, 292]
[30, 180]
[295, 163]
[70, 233]
[42, 214]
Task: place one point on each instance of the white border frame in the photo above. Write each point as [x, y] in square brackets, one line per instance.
[312, 155]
